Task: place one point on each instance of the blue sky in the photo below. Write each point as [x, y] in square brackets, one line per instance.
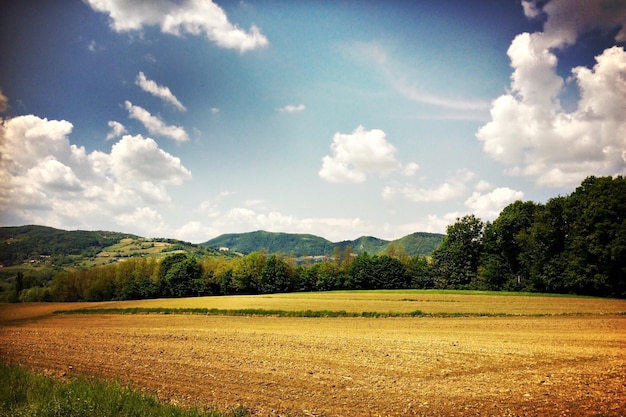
[192, 118]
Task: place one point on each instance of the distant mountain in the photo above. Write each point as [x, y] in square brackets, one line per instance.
[311, 245]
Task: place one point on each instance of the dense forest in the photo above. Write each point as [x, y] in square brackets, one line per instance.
[574, 244]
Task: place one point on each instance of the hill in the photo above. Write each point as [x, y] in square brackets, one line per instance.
[311, 245]
[37, 245]
[288, 243]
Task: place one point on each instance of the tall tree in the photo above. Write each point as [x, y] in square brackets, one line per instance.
[275, 276]
[456, 260]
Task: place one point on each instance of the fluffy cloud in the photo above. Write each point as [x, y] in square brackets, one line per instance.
[489, 205]
[530, 131]
[195, 17]
[154, 125]
[117, 130]
[159, 91]
[135, 158]
[291, 108]
[143, 218]
[356, 154]
[452, 188]
[47, 180]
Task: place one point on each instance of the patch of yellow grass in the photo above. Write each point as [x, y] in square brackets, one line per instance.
[393, 301]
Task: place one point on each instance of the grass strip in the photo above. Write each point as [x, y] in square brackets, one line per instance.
[23, 393]
[300, 313]
[239, 312]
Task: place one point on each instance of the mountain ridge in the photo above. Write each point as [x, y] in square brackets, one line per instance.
[19, 244]
[418, 243]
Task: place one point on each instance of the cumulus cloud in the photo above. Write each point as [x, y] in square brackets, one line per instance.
[144, 218]
[291, 108]
[4, 102]
[136, 158]
[195, 17]
[45, 179]
[155, 125]
[488, 206]
[158, 91]
[453, 187]
[356, 154]
[530, 132]
[117, 130]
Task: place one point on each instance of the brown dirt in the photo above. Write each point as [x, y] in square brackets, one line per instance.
[563, 365]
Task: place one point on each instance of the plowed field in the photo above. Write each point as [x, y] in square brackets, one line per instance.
[551, 365]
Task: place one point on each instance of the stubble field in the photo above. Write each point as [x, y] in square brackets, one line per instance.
[530, 356]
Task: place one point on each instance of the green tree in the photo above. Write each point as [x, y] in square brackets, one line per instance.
[275, 276]
[507, 256]
[389, 273]
[182, 277]
[456, 260]
[419, 272]
[595, 214]
[247, 273]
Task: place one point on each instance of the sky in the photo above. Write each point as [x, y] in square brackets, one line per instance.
[188, 119]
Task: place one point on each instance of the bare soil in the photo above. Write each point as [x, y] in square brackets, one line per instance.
[488, 366]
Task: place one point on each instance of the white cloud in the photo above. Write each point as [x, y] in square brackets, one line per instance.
[117, 130]
[356, 154]
[144, 219]
[530, 8]
[373, 54]
[453, 187]
[135, 158]
[158, 91]
[488, 206]
[529, 130]
[194, 17]
[4, 102]
[410, 169]
[154, 125]
[416, 94]
[44, 179]
[482, 185]
[432, 223]
[291, 108]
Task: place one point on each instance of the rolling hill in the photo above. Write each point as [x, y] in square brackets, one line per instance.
[46, 245]
[310, 245]
[40, 245]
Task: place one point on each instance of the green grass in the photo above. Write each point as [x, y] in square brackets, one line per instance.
[238, 312]
[23, 393]
[299, 313]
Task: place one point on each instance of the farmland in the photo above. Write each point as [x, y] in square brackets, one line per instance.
[469, 354]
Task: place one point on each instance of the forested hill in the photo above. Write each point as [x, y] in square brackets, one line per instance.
[61, 247]
[311, 245]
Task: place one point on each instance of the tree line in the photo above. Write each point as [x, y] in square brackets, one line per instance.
[573, 244]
